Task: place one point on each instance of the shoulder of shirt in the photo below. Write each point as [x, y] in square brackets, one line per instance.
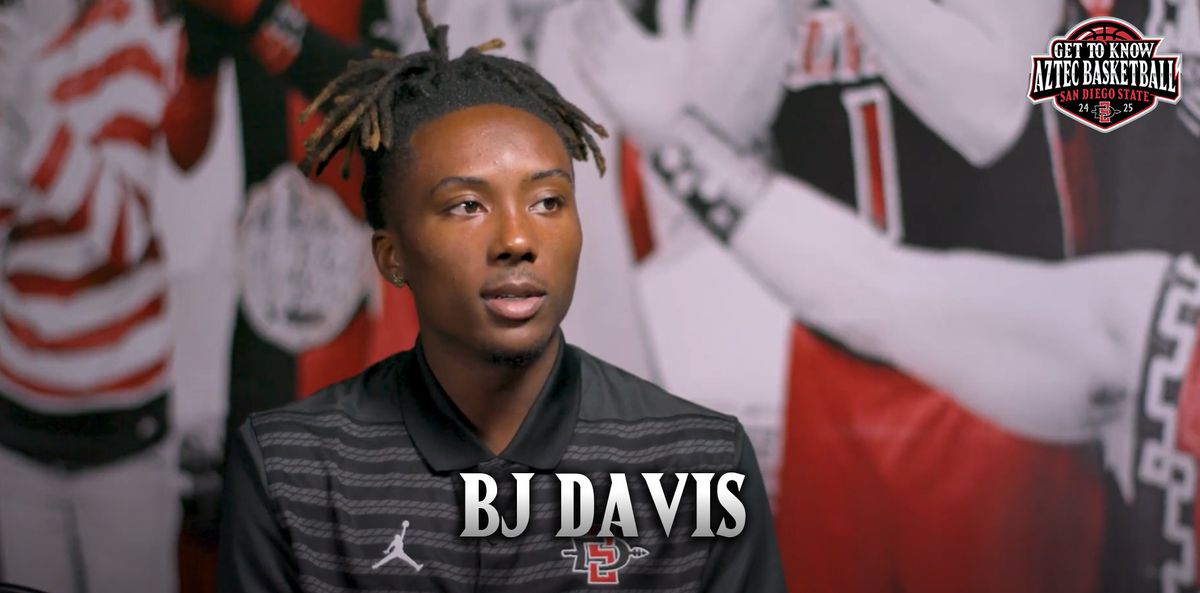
[612, 393]
[347, 398]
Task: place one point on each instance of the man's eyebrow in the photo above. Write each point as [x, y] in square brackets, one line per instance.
[458, 180]
[481, 182]
[550, 173]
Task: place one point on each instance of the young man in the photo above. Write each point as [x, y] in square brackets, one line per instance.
[283, 52]
[469, 186]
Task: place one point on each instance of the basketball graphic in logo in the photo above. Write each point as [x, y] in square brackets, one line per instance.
[1106, 31]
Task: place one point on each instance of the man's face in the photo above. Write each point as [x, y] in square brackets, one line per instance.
[482, 224]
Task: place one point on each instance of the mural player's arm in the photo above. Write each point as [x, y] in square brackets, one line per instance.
[191, 111]
[1047, 350]
[281, 38]
[965, 69]
[724, 59]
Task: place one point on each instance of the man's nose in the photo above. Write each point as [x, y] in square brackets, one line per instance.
[515, 238]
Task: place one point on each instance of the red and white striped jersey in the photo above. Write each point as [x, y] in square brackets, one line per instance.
[83, 320]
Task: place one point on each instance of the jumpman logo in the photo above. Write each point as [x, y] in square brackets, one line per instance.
[396, 550]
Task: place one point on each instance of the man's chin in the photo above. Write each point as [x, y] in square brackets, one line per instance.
[519, 355]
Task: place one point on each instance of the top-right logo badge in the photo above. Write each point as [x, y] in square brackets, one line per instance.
[1105, 74]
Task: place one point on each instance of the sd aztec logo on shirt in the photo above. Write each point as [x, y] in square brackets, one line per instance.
[1105, 74]
[602, 557]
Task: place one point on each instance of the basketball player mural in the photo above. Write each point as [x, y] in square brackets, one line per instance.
[1141, 181]
[88, 496]
[307, 312]
[924, 477]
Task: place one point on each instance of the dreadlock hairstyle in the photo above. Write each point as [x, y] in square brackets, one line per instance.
[377, 103]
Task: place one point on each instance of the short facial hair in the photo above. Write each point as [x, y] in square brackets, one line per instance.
[521, 358]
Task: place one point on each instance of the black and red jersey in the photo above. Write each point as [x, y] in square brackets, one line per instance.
[842, 129]
[886, 483]
[267, 370]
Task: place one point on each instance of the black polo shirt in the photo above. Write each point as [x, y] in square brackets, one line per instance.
[358, 489]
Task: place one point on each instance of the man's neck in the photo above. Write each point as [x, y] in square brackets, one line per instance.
[494, 397]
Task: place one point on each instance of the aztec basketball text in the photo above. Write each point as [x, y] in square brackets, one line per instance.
[1094, 63]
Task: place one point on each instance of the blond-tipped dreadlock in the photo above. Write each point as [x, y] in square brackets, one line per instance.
[376, 104]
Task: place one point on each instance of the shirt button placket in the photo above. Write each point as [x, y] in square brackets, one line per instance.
[475, 542]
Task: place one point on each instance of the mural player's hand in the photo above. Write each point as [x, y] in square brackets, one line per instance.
[638, 76]
[235, 13]
[740, 51]
[209, 39]
[713, 179]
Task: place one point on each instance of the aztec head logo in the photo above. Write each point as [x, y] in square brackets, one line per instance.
[602, 557]
[1105, 74]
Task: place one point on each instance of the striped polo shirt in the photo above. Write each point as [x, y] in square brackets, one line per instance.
[359, 488]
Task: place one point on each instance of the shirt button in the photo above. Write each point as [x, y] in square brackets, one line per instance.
[146, 427]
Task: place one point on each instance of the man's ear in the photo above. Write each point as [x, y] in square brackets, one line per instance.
[385, 246]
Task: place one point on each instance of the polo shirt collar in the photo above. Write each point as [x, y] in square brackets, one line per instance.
[444, 438]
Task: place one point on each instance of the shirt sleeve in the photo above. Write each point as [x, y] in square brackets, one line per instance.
[750, 560]
[254, 556]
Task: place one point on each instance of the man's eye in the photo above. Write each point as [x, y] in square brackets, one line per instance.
[549, 204]
[467, 207]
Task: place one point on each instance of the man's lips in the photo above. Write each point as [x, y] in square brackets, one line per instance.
[514, 301]
[514, 308]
